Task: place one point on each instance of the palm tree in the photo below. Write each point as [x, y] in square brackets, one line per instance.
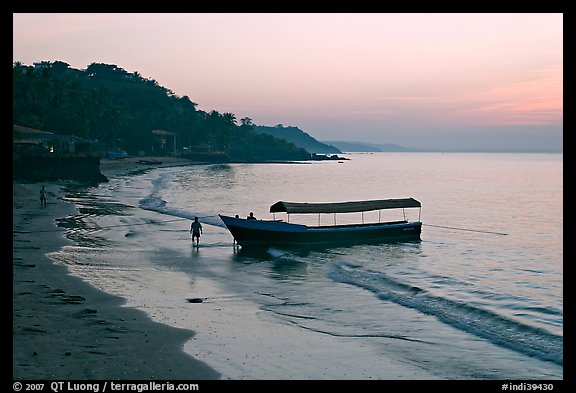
[230, 118]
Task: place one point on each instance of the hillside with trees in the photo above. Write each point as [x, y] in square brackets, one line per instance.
[298, 137]
[120, 110]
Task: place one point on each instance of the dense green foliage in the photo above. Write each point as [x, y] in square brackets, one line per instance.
[120, 110]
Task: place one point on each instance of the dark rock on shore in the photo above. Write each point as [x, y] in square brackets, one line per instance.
[37, 169]
[324, 157]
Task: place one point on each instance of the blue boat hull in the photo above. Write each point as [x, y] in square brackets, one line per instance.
[279, 233]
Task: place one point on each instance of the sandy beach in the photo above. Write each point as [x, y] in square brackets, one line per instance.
[64, 328]
[117, 306]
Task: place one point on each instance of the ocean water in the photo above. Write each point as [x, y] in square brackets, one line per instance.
[479, 297]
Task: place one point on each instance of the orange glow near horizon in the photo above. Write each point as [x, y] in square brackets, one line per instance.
[372, 71]
[535, 101]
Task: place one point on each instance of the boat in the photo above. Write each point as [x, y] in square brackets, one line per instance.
[251, 232]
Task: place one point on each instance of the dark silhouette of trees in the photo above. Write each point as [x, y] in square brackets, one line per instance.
[120, 109]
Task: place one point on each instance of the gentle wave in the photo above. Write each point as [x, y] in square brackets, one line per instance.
[154, 202]
[482, 323]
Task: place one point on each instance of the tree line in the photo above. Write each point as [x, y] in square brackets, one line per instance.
[120, 109]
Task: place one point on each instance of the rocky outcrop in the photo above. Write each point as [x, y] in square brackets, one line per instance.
[38, 168]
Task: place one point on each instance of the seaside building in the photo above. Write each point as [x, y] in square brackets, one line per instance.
[42, 155]
[49, 141]
[163, 137]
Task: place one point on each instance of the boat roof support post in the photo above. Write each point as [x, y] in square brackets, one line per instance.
[404, 213]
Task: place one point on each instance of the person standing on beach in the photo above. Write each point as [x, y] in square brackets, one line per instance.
[43, 197]
[196, 230]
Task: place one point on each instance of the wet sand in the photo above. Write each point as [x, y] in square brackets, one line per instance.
[64, 328]
[112, 167]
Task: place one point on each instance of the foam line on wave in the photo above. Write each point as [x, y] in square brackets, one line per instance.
[502, 331]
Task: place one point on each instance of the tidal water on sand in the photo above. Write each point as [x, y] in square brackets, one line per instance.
[479, 297]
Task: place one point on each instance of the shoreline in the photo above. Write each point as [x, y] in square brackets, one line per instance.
[124, 166]
[63, 328]
[138, 301]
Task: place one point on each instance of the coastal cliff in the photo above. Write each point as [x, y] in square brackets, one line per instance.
[35, 169]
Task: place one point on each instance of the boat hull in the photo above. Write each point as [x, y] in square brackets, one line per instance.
[279, 233]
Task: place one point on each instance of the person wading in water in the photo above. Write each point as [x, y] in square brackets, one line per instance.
[196, 230]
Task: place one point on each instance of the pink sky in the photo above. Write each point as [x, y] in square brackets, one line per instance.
[411, 79]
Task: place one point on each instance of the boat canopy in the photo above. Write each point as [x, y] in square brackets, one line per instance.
[343, 207]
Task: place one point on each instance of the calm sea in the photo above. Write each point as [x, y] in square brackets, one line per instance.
[480, 296]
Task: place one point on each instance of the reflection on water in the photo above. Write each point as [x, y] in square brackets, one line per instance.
[294, 263]
[83, 227]
[449, 285]
[279, 264]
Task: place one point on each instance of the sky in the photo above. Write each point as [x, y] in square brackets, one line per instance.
[422, 80]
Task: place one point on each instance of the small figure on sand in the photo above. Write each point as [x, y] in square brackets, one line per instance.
[196, 230]
[251, 216]
[42, 197]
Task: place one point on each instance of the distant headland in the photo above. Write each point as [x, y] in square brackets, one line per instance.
[366, 147]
